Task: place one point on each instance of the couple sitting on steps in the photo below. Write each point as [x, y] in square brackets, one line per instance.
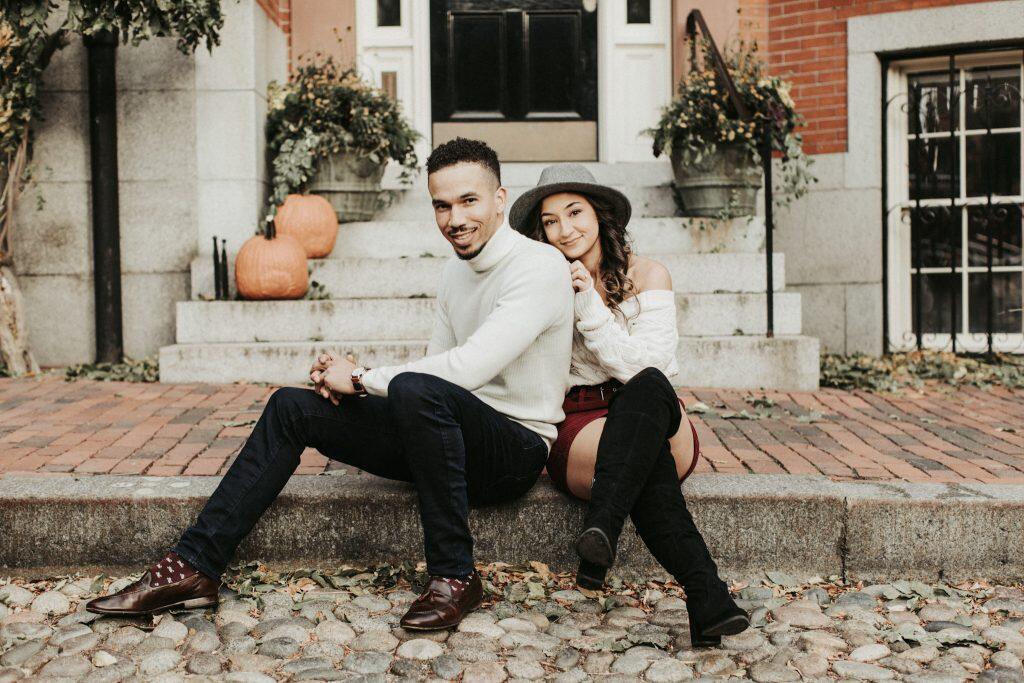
[526, 311]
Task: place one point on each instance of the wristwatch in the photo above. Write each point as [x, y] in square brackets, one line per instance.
[357, 380]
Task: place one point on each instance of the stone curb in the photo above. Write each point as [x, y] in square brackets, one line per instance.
[804, 525]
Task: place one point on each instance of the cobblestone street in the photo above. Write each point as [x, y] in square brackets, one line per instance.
[534, 625]
[49, 426]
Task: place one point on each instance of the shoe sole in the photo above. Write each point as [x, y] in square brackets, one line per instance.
[447, 626]
[584, 580]
[194, 603]
[707, 642]
[593, 546]
[728, 627]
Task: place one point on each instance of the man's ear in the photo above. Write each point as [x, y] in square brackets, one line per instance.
[501, 198]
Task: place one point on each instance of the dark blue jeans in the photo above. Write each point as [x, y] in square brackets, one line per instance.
[457, 450]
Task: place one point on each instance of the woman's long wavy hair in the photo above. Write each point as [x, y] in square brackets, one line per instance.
[615, 249]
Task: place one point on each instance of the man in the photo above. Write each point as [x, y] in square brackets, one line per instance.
[469, 424]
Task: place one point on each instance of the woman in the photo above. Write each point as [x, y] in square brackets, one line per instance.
[621, 446]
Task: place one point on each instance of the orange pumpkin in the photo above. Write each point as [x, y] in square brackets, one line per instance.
[310, 219]
[271, 268]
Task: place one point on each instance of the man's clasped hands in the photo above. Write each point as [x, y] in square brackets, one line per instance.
[332, 376]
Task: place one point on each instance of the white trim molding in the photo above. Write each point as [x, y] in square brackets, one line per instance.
[870, 35]
[634, 78]
[404, 49]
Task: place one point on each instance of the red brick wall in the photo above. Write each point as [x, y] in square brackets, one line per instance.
[280, 13]
[807, 44]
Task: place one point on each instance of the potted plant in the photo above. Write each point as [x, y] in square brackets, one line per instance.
[716, 157]
[332, 133]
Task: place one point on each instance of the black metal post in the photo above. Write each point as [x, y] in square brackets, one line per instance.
[694, 22]
[955, 220]
[917, 218]
[216, 272]
[769, 223]
[885, 208]
[106, 233]
[225, 288]
[989, 218]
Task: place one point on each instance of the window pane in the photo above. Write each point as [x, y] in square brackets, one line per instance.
[389, 13]
[993, 164]
[935, 236]
[1006, 302]
[638, 11]
[1002, 224]
[933, 168]
[930, 103]
[937, 292]
[993, 97]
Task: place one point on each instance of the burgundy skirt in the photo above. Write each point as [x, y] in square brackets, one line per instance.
[568, 429]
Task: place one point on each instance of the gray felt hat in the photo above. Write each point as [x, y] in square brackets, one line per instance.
[566, 178]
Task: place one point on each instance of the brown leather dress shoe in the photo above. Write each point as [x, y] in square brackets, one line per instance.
[444, 603]
[143, 597]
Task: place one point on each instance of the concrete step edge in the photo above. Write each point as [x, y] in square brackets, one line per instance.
[804, 525]
[785, 362]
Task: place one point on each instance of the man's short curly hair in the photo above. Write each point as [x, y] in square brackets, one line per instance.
[462, 150]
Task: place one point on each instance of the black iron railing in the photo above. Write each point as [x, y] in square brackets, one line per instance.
[694, 23]
[962, 204]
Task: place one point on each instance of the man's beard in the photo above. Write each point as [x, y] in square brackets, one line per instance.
[473, 254]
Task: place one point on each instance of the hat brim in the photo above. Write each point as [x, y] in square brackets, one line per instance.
[528, 201]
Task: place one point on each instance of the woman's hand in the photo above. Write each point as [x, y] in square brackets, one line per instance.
[581, 279]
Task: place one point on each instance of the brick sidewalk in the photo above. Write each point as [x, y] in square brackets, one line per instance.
[53, 427]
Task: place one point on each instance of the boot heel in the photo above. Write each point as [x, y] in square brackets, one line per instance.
[593, 546]
[730, 626]
[705, 641]
[590, 576]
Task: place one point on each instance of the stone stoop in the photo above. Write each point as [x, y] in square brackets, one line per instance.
[804, 525]
[381, 280]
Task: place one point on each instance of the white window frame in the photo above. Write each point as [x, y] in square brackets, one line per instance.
[900, 303]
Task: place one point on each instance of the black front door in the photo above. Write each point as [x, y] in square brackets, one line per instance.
[521, 74]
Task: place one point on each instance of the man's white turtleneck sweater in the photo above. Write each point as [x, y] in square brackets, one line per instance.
[502, 330]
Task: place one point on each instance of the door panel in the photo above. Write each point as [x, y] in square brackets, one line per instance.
[477, 65]
[553, 65]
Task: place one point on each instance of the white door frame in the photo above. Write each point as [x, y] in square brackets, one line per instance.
[403, 49]
[634, 78]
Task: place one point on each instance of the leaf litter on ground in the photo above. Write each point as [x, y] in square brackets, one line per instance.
[144, 370]
[763, 410]
[920, 369]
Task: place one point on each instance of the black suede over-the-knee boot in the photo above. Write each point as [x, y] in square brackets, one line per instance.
[642, 416]
[666, 526]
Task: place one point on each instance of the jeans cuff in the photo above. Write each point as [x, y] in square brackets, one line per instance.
[197, 563]
[451, 570]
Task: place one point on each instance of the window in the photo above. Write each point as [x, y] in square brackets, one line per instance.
[956, 228]
[389, 12]
[638, 11]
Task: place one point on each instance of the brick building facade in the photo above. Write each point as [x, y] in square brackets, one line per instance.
[868, 272]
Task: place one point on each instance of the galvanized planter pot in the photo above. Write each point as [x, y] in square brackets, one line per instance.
[723, 184]
[351, 184]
